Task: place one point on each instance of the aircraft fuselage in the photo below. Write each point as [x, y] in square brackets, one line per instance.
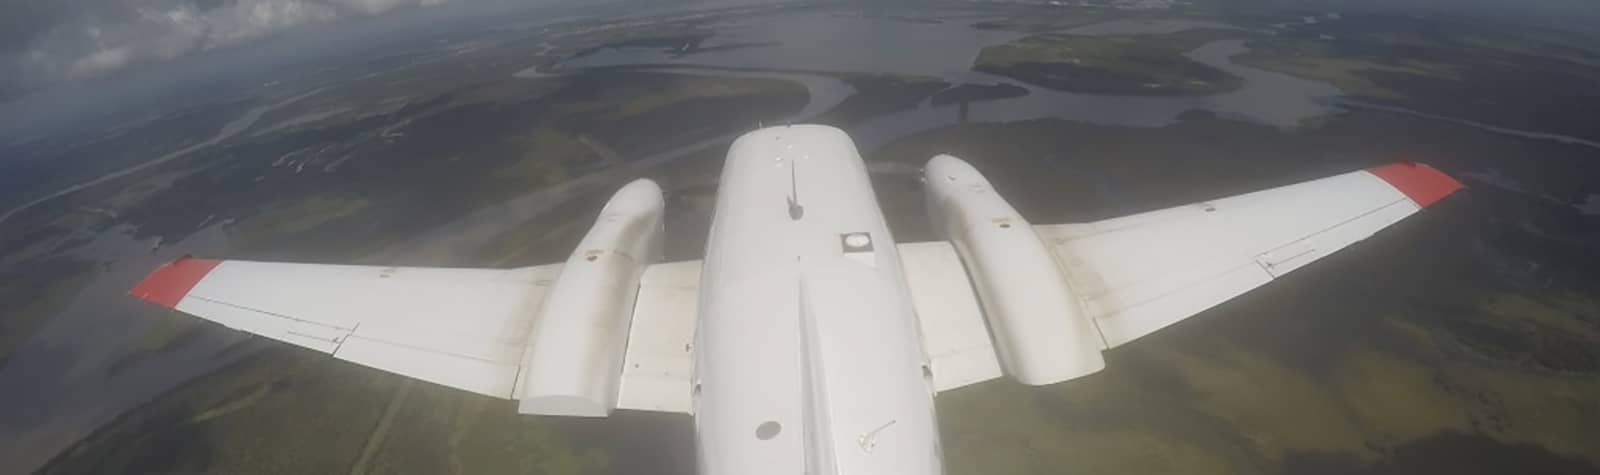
[808, 355]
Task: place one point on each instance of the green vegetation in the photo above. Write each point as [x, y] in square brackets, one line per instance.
[293, 411]
[285, 220]
[640, 111]
[1522, 79]
[284, 411]
[167, 329]
[307, 214]
[1217, 405]
[166, 332]
[1355, 56]
[880, 95]
[532, 239]
[1091, 425]
[147, 185]
[671, 90]
[29, 298]
[548, 159]
[1132, 64]
[1322, 60]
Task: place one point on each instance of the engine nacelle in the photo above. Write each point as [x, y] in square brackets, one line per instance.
[1040, 331]
[573, 364]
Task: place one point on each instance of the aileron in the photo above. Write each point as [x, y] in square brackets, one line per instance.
[1138, 274]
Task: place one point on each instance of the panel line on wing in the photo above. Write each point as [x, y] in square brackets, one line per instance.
[1257, 261]
[267, 313]
[346, 338]
[1337, 225]
[1066, 243]
[1174, 291]
[419, 348]
[336, 341]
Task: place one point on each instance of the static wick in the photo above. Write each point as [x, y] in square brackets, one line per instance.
[869, 440]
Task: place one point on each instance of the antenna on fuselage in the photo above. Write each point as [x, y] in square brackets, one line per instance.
[796, 210]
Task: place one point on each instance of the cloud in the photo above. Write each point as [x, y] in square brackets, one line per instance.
[100, 36]
[101, 61]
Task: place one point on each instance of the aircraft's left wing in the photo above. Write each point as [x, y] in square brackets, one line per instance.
[469, 329]
[463, 328]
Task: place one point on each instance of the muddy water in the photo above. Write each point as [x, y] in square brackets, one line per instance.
[826, 43]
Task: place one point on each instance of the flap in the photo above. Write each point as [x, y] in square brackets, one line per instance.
[953, 331]
[658, 369]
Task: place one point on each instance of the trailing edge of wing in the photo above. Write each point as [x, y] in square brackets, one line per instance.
[1140, 273]
[464, 328]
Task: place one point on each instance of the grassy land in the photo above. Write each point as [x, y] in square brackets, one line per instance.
[285, 411]
[167, 329]
[665, 91]
[523, 244]
[880, 95]
[308, 213]
[283, 221]
[635, 112]
[1524, 79]
[550, 158]
[1135, 64]
[1218, 404]
[29, 297]
[441, 430]
[1320, 59]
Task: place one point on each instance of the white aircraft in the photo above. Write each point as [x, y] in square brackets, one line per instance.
[807, 340]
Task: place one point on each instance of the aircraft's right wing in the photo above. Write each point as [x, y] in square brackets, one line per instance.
[1053, 297]
[1137, 274]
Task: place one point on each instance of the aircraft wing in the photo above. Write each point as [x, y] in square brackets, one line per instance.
[469, 329]
[1137, 274]
[949, 318]
[1040, 303]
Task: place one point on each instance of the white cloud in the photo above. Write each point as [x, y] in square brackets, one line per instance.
[100, 61]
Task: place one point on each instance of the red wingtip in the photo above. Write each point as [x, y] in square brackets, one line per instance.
[1418, 181]
[168, 284]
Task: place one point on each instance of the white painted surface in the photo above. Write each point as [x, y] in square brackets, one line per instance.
[953, 332]
[463, 328]
[1140, 273]
[801, 332]
[658, 370]
[1037, 322]
[573, 362]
